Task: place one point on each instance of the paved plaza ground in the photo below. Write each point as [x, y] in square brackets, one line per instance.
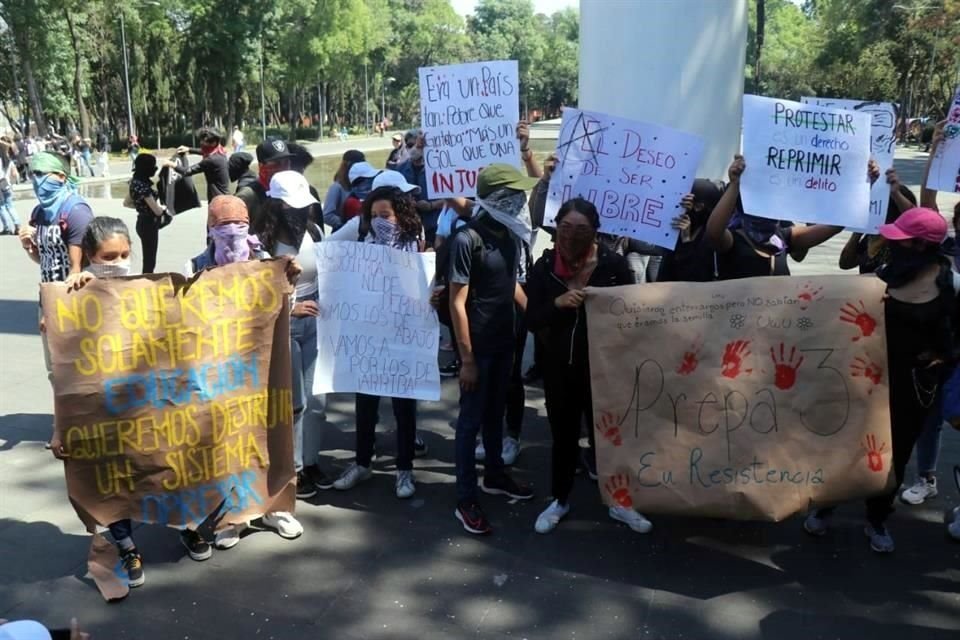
[371, 566]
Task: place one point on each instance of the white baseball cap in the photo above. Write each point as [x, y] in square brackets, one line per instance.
[292, 188]
[362, 170]
[393, 179]
[23, 630]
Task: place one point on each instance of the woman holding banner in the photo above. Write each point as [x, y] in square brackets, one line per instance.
[556, 313]
[389, 218]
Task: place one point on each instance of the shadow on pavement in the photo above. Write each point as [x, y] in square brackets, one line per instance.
[20, 317]
[16, 428]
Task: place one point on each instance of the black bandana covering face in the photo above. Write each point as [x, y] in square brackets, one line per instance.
[295, 222]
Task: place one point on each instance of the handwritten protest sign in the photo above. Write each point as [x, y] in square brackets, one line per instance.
[376, 332]
[173, 397]
[635, 173]
[805, 163]
[945, 167]
[469, 114]
[883, 142]
[745, 399]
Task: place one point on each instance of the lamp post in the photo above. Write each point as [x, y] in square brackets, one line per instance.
[126, 76]
[366, 97]
[383, 99]
[263, 100]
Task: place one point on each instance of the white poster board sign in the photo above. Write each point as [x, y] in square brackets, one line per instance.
[805, 163]
[376, 331]
[469, 114]
[883, 142]
[945, 167]
[635, 173]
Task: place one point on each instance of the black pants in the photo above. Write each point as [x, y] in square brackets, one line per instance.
[569, 401]
[368, 414]
[148, 228]
[516, 394]
[121, 529]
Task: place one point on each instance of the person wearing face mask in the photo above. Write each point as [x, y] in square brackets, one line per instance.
[920, 314]
[748, 245]
[693, 260]
[273, 156]
[555, 311]
[213, 166]
[391, 220]
[361, 176]
[414, 171]
[151, 216]
[484, 261]
[289, 231]
[340, 189]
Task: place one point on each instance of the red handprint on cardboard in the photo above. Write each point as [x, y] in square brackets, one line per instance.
[618, 488]
[609, 429]
[733, 359]
[874, 453]
[785, 368]
[866, 368]
[857, 315]
[808, 294]
[691, 358]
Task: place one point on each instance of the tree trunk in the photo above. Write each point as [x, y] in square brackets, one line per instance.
[292, 113]
[34, 97]
[78, 77]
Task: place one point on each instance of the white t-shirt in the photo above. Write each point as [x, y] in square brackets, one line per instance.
[237, 138]
[307, 285]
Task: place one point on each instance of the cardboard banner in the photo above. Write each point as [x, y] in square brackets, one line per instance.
[173, 397]
[805, 163]
[747, 399]
[635, 173]
[945, 167]
[883, 141]
[469, 114]
[376, 332]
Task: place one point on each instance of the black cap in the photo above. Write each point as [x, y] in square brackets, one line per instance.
[272, 150]
[353, 156]
[238, 164]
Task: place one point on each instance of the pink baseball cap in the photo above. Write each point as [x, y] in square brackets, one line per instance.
[918, 222]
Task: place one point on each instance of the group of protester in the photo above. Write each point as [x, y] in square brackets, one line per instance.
[490, 291]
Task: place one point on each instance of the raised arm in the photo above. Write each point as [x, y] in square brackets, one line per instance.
[717, 234]
[928, 197]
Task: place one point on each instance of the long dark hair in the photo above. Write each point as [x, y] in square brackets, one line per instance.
[144, 166]
[271, 226]
[350, 158]
[404, 208]
[99, 229]
[583, 207]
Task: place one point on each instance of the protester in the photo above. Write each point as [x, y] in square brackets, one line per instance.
[151, 215]
[340, 189]
[868, 252]
[483, 267]
[238, 168]
[390, 215]
[399, 153]
[289, 231]
[414, 171]
[8, 178]
[238, 140]
[920, 316]
[555, 309]
[693, 260]
[213, 166]
[361, 176]
[299, 162]
[273, 156]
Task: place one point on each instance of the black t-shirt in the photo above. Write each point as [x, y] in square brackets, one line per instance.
[140, 190]
[216, 170]
[491, 273]
[692, 261]
[742, 260]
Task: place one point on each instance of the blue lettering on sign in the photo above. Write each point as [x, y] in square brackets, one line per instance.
[191, 505]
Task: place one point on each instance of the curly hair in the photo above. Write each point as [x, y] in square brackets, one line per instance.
[404, 207]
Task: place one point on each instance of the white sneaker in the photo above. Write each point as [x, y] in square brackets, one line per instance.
[354, 475]
[511, 449]
[405, 485]
[230, 537]
[551, 516]
[631, 518]
[284, 524]
[923, 490]
[480, 453]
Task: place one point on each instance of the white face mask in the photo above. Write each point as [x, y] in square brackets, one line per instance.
[109, 269]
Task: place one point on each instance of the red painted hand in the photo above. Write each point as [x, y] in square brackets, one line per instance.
[733, 356]
[808, 293]
[608, 429]
[857, 315]
[874, 453]
[866, 368]
[618, 488]
[691, 358]
[785, 373]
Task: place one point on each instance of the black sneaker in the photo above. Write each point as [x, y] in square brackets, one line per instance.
[450, 370]
[472, 518]
[503, 485]
[198, 548]
[305, 486]
[319, 479]
[420, 448]
[533, 375]
[133, 565]
[588, 460]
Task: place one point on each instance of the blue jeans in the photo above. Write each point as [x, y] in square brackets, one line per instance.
[121, 529]
[481, 411]
[8, 217]
[306, 406]
[928, 444]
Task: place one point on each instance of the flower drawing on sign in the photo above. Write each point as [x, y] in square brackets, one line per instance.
[609, 429]
[804, 323]
[785, 372]
[737, 321]
[808, 294]
[867, 369]
[733, 359]
[618, 488]
[857, 315]
[691, 358]
[874, 453]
